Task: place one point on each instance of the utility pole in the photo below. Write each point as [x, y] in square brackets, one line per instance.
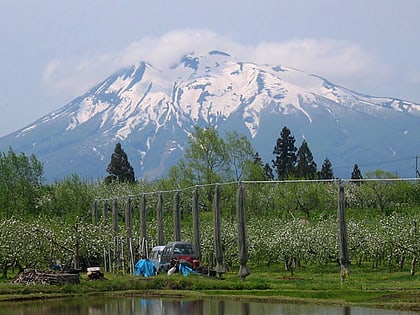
[417, 167]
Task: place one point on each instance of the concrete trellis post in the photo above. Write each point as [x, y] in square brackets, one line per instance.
[161, 237]
[342, 235]
[107, 251]
[128, 226]
[128, 217]
[105, 212]
[196, 224]
[242, 242]
[177, 218]
[115, 229]
[143, 217]
[220, 265]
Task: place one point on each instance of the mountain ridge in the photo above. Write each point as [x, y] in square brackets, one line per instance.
[152, 111]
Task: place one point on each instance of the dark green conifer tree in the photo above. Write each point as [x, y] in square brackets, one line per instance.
[119, 168]
[326, 170]
[268, 171]
[285, 155]
[305, 166]
[356, 174]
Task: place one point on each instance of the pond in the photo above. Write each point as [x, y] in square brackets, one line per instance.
[143, 306]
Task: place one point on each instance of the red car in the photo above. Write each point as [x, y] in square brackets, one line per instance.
[175, 252]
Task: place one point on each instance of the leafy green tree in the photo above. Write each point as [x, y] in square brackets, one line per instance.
[384, 192]
[239, 153]
[20, 183]
[256, 171]
[205, 161]
[119, 168]
[285, 155]
[326, 170]
[206, 155]
[305, 166]
[181, 175]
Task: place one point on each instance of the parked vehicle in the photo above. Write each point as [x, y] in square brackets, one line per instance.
[155, 255]
[175, 252]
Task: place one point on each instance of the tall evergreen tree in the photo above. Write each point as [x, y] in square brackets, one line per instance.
[285, 155]
[356, 174]
[268, 171]
[326, 170]
[305, 166]
[119, 168]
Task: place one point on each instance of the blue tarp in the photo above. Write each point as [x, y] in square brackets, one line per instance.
[145, 267]
[185, 269]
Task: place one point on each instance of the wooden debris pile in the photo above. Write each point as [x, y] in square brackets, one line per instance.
[31, 276]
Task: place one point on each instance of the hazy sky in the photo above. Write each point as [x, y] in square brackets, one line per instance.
[54, 50]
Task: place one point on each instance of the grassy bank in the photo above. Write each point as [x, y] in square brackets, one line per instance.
[317, 285]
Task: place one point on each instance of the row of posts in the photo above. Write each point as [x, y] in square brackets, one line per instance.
[220, 265]
[218, 249]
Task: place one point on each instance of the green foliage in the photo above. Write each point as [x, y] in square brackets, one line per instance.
[240, 154]
[210, 159]
[69, 198]
[288, 224]
[384, 192]
[119, 168]
[285, 155]
[356, 174]
[206, 156]
[20, 183]
[255, 169]
[326, 170]
[305, 166]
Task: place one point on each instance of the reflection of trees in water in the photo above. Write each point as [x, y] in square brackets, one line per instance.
[245, 308]
[145, 306]
[221, 308]
[177, 307]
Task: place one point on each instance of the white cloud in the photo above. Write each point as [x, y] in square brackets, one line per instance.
[51, 69]
[342, 62]
[166, 50]
[311, 55]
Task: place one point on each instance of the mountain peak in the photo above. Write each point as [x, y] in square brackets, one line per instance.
[152, 111]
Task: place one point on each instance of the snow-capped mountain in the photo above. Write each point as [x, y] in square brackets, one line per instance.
[152, 111]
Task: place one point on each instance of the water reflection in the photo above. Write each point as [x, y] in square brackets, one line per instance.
[137, 306]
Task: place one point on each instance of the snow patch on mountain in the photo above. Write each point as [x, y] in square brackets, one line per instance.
[153, 111]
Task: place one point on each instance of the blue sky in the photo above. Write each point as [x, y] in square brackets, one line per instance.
[53, 51]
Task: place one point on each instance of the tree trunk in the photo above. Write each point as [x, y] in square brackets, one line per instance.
[413, 265]
[342, 232]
